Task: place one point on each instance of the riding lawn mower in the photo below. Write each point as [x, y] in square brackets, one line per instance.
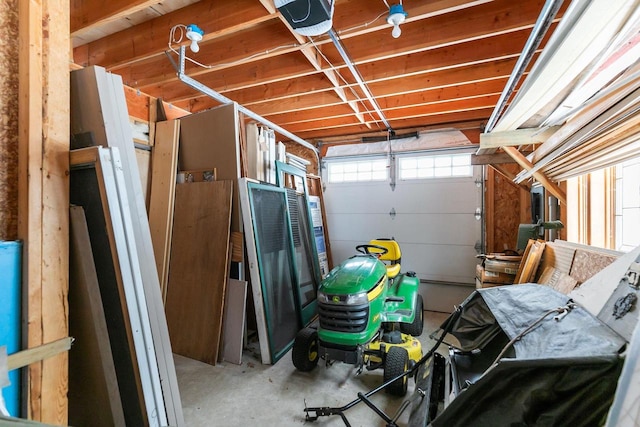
[369, 315]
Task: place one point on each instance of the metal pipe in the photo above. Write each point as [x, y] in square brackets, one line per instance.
[356, 75]
[542, 25]
[223, 99]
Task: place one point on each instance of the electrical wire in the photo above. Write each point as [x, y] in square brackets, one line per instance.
[174, 40]
[347, 84]
[297, 21]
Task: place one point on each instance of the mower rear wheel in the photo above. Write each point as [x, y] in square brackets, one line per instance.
[396, 362]
[415, 328]
[305, 350]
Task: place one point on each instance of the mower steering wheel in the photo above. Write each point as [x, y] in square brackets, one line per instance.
[366, 249]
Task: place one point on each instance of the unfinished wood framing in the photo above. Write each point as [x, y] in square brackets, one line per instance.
[490, 141]
[163, 183]
[198, 269]
[552, 187]
[44, 197]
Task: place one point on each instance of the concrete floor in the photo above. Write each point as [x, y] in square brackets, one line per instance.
[275, 395]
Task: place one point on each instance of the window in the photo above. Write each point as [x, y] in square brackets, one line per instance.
[360, 171]
[441, 166]
[627, 214]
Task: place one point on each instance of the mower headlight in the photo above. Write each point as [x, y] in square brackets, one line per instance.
[357, 299]
[322, 297]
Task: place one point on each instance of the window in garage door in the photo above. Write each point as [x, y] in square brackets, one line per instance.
[431, 212]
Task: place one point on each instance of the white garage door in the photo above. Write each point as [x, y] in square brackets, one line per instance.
[433, 217]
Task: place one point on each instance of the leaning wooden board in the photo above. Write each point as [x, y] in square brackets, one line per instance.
[94, 396]
[198, 268]
[92, 186]
[163, 184]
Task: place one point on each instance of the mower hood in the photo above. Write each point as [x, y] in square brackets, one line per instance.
[357, 274]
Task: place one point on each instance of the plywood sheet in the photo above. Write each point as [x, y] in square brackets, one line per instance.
[210, 140]
[234, 320]
[587, 263]
[94, 396]
[163, 184]
[198, 269]
[143, 158]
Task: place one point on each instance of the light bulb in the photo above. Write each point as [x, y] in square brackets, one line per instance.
[194, 33]
[395, 33]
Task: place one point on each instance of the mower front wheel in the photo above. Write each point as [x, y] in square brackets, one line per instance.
[396, 363]
[305, 350]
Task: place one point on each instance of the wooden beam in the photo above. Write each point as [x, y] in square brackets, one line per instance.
[409, 109]
[552, 187]
[452, 29]
[493, 159]
[44, 196]
[149, 39]
[441, 121]
[290, 91]
[515, 137]
[90, 14]
[37, 354]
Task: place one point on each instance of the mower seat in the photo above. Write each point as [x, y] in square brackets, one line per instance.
[393, 255]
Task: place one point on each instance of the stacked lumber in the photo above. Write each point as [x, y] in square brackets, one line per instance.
[562, 265]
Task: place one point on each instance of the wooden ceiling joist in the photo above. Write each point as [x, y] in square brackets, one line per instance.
[524, 163]
[458, 50]
[513, 138]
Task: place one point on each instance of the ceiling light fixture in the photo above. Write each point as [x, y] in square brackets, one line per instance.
[397, 16]
[194, 33]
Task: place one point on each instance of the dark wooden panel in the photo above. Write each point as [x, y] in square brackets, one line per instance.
[85, 191]
[94, 397]
[198, 269]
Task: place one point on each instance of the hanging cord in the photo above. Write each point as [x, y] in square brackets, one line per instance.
[561, 312]
[180, 30]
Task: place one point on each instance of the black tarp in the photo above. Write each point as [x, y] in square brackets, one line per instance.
[561, 373]
[512, 309]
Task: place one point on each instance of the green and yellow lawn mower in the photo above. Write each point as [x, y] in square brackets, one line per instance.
[369, 314]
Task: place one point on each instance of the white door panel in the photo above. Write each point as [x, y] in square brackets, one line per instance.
[439, 229]
[433, 221]
[448, 263]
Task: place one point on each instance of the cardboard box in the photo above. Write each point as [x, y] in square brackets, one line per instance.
[493, 277]
[501, 266]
